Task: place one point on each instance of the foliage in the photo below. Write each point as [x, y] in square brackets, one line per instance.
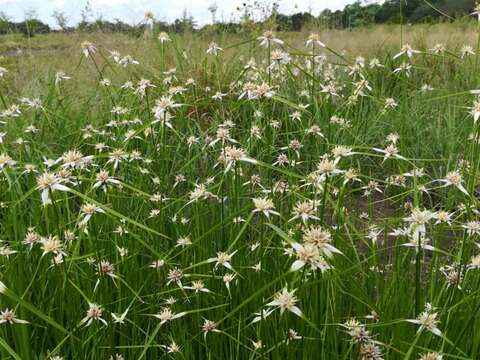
[241, 197]
[257, 15]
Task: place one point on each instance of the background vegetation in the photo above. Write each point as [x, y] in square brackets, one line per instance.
[399, 197]
[261, 14]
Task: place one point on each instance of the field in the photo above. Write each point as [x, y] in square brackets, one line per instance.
[308, 195]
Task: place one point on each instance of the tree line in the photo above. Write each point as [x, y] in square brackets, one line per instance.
[359, 13]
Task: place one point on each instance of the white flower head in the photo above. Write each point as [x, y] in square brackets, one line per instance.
[286, 300]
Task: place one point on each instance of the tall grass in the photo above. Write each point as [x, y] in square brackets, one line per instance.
[249, 202]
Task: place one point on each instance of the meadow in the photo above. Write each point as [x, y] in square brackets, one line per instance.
[310, 195]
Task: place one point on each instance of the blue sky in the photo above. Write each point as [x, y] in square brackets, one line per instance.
[132, 11]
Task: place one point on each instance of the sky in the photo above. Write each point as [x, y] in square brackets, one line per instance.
[132, 11]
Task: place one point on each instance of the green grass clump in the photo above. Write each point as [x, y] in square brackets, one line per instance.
[254, 197]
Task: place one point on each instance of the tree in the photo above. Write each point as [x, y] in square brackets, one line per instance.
[85, 15]
[4, 23]
[31, 25]
[213, 8]
[185, 23]
[60, 18]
